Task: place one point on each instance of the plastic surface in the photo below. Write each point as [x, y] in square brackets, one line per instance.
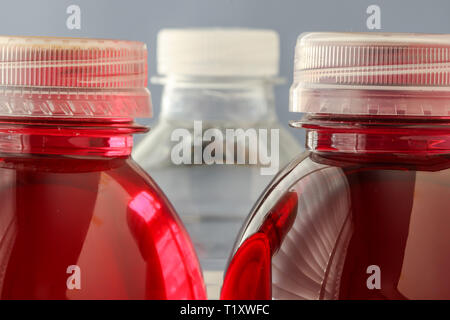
[372, 193]
[249, 274]
[218, 52]
[367, 225]
[215, 80]
[372, 74]
[79, 219]
[73, 78]
[104, 221]
[214, 199]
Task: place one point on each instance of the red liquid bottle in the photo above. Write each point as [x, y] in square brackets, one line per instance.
[78, 218]
[364, 213]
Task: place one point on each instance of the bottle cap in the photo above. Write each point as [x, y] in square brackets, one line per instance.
[372, 74]
[73, 78]
[218, 52]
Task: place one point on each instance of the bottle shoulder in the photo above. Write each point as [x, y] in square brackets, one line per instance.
[315, 178]
[326, 222]
[54, 219]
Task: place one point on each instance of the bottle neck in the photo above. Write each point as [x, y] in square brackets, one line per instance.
[368, 138]
[218, 99]
[90, 139]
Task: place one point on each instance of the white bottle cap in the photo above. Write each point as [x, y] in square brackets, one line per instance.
[218, 52]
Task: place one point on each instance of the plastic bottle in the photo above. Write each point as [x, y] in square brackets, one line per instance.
[79, 219]
[215, 80]
[364, 214]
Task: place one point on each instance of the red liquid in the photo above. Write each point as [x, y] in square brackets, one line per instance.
[98, 212]
[367, 225]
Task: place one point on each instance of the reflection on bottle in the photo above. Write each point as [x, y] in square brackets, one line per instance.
[162, 243]
[249, 273]
[309, 262]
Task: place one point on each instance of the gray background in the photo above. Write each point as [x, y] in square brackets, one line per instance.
[141, 20]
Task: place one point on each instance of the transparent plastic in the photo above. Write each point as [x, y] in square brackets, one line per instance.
[75, 78]
[213, 199]
[384, 69]
[79, 218]
[363, 213]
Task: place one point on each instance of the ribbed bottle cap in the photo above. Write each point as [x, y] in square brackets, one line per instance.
[372, 73]
[218, 52]
[73, 78]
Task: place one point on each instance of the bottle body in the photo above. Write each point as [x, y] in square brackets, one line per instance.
[365, 224]
[78, 218]
[213, 199]
[88, 226]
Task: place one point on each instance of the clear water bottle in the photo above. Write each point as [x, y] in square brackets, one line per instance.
[216, 81]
